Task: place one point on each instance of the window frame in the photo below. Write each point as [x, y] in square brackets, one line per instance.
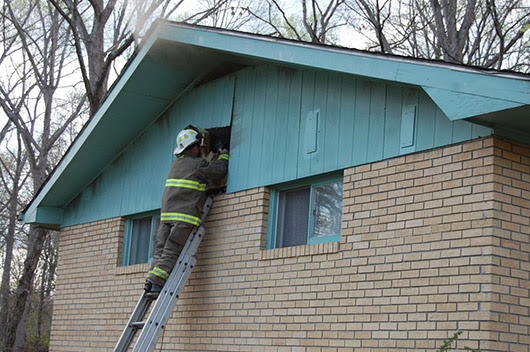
[127, 240]
[312, 182]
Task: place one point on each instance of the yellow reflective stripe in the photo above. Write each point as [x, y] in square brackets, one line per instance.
[224, 156]
[175, 182]
[185, 186]
[159, 272]
[180, 217]
[152, 272]
[185, 181]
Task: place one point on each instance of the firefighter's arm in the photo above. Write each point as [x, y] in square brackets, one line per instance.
[215, 169]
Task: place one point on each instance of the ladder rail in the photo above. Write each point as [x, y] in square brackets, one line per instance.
[156, 325]
[142, 306]
[168, 297]
[144, 302]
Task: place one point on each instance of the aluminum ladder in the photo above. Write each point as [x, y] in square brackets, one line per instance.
[152, 328]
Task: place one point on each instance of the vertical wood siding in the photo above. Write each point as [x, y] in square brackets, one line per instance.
[358, 121]
[134, 182]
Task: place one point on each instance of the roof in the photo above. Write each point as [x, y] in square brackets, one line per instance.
[175, 57]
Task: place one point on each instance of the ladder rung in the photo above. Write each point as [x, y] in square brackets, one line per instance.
[138, 324]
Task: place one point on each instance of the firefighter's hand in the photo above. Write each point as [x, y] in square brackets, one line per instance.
[223, 151]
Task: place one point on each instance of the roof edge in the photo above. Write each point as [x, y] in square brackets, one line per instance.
[370, 54]
[453, 77]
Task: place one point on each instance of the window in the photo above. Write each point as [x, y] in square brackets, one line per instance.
[306, 212]
[138, 246]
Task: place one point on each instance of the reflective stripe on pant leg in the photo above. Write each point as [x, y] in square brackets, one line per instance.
[162, 234]
[159, 272]
[190, 219]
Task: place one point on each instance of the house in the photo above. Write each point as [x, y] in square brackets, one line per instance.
[373, 202]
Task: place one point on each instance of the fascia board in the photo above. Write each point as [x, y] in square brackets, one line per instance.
[457, 105]
[427, 75]
[48, 217]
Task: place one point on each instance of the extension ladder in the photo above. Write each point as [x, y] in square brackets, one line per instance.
[152, 328]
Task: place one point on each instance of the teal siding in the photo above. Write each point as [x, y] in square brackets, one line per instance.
[134, 181]
[280, 114]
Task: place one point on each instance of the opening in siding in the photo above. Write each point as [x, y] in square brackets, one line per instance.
[219, 138]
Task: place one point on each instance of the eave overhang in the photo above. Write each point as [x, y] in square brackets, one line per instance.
[175, 57]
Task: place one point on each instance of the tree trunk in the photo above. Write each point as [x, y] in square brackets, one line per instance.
[17, 327]
[96, 66]
[42, 293]
[20, 339]
[5, 290]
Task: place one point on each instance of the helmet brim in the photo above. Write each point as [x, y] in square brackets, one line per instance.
[178, 150]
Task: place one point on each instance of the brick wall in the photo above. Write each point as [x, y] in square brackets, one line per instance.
[432, 243]
[438, 237]
[510, 283]
[87, 297]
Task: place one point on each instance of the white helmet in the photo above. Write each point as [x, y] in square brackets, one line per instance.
[185, 138]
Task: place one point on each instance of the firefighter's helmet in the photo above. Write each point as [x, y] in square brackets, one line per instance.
[186, 138]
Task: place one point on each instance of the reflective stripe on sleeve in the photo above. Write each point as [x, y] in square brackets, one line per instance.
[224, 156]
[181, 217]
[176, 182]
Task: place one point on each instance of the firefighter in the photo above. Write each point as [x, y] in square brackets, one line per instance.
[182, 203]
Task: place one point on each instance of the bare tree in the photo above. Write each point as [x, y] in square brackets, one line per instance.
[12, 177]
[488, 33]
[511, 20]
[452, 27]
[103, 31]
[317, 23]
[28, 97]
[44, 302]
[377, 15]
[235, 15]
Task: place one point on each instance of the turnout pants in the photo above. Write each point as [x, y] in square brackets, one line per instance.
[169, 241]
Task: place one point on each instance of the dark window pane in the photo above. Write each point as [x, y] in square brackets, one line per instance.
[293, 216]
[327, 210]
[140, 238]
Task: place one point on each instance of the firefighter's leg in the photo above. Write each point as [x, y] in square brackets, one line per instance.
[162, 234]
[173, 246]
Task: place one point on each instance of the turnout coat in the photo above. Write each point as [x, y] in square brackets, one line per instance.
[185, 192]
